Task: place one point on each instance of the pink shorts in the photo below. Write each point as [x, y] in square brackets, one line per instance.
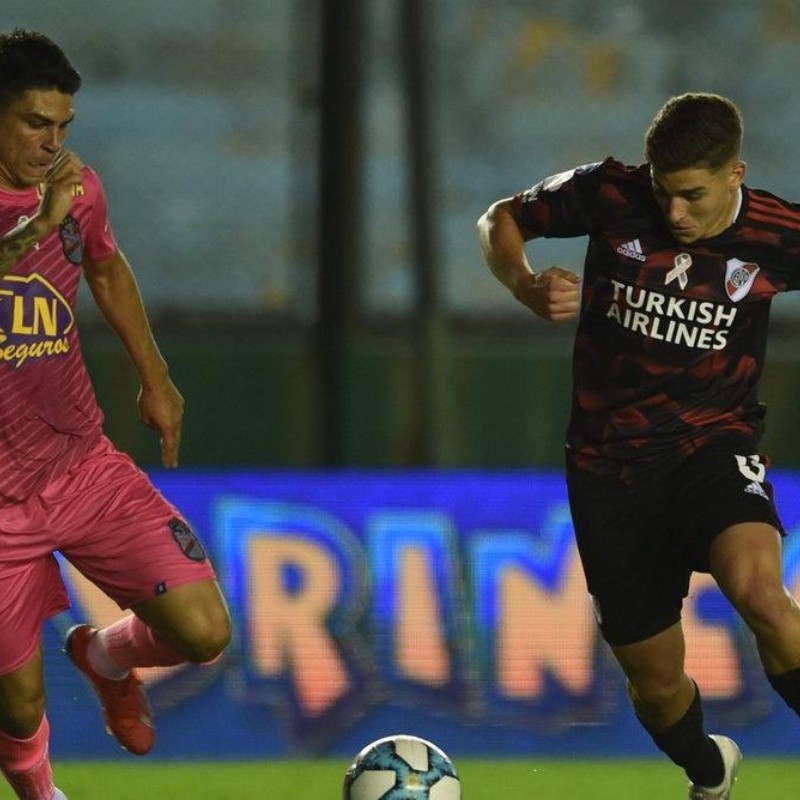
[109, 521]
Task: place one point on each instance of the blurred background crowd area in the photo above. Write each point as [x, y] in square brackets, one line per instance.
[205, 120]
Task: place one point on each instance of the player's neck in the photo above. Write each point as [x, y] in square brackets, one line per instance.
[737, 205]
[728, 218]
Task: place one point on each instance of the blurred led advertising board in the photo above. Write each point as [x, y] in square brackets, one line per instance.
[446, 604]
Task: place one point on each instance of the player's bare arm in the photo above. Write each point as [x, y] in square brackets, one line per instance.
[19, 241]
[553, 294]
[116, 293]
[64, 174]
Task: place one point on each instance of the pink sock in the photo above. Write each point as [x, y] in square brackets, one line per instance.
[131, 643]
[26, 764]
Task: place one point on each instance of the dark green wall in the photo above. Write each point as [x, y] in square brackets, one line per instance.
[501, 401]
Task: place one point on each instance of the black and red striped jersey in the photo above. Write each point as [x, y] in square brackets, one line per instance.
[671, 338]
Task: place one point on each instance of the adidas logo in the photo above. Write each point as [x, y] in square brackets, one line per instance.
[756, 488]
[632, 250]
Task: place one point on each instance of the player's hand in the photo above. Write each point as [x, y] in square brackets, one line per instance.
[161, 408]
[554, 294]
[65, 172]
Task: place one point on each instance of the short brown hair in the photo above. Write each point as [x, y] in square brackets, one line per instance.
[30, 60]
[695, 129]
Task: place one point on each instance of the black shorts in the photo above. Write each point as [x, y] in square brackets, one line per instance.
[639, 545]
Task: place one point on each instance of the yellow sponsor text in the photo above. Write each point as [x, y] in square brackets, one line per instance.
[18, 354]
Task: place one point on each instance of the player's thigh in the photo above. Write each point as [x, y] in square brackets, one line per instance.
[124, 536]
[724, 487]
[193, 618]
[31, 587]
[634, 567]
[746, 561]
[31, 591]
[745, 553]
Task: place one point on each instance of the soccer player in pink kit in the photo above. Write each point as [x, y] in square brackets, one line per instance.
[63, 485]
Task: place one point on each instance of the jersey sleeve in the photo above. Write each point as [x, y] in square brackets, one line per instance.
[99, 243]
[563, 205]
[785, 275]
[772, 224]
[788, 274]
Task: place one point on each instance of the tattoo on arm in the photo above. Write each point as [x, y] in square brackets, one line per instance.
[15, 244]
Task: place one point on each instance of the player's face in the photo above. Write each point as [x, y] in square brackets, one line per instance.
[698, 203]
[33, 127]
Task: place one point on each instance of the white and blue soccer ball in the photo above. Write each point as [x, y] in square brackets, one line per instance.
[401, 767]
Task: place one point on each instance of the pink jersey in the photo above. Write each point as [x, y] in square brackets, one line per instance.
[49, 417]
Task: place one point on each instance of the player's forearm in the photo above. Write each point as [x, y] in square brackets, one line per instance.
[19, 241]
[117, 295]
[503, 245]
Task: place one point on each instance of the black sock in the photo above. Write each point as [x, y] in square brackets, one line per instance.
[687, 744]
[787, 685]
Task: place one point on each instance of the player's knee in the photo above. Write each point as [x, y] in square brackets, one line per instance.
[22, 714]
[213, 644]
[764, 605]
[208, 637]
[656, 689]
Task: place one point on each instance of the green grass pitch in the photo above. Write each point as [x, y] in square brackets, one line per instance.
[759, 779]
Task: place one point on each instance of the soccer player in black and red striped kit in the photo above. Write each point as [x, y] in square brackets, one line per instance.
[663, 468]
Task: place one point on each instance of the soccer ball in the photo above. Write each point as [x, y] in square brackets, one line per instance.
[401, 767]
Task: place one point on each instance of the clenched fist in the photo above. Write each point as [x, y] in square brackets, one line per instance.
[554, 294]
[64, 174]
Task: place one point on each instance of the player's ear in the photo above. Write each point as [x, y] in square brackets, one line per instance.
[738, 171]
